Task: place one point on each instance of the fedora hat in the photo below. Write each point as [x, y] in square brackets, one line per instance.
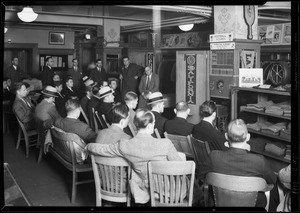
[105, 91]
[155, 98]
[90, 83]
[50, 91]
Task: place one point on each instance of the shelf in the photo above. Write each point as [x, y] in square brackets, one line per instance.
[271, 156]
[268, 135]
[266, 91]
[266, 114]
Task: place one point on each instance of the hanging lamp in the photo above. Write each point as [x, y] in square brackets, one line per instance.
[186, 27]
[27, 14]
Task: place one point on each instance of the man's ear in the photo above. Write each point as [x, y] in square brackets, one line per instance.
[188, 111]
[175, 111]
[248, 137]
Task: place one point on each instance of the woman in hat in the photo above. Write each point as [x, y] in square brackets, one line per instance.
[107, 99]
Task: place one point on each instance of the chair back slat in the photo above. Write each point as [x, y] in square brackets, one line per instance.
[84, 116]
[172, 181]
[133, 133]
[105, 121]
[94, 121]
[100, 121]
[112, 175]
[231, 190]
[156, 132]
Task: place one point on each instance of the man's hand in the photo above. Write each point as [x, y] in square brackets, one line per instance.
[136, 77]
[121, 77]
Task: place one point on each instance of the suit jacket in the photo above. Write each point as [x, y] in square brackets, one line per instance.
[111, 134]
[139, 151]
[240, 162]
[16, 75]
[60, 102]
[179, 126]
[24, 112]
[153, 87]
[69, 93]
[129, 83]
[45, 111]
[76, 126]
[159, 123]
[98, 76]
[47, 76]
[204, 131]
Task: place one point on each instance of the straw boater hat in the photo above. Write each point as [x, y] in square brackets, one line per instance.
[88, 82]
[50, 91]
[105, 91]
[155, 98]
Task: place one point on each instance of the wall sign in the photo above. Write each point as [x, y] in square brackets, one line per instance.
[190, 60]
[221, 37]
[149, 60]
[222, 46]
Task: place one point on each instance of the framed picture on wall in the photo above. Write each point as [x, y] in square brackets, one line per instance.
[57, 38]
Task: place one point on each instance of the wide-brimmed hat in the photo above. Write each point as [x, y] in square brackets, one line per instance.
[50, 91]
[284, 176]
[155, 98]
[105, 91]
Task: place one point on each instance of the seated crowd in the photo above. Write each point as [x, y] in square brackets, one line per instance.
[61, 107]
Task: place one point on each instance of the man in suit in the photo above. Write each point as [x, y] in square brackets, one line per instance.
[149, 84]
[15, 73]
[139, 151]
[205, 130]
[98, 74]
[179, 124]
[76, 74]
[89, 84]
[107, 99]
[237, 160]
[119, 117]
[48, 72]
[23, 107]
[68, 90]
[72, 124]
[129, 76]
[113, 83]
[46, 108]
[93, 103]
[60, 100]
[156, 101]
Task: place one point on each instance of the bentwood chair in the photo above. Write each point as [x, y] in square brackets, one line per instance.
[112, 175]
[84, 116]
[101, 121]
[171, 183]
[182, 144]
[133, 132]
[67, 149]
[201, 151]
[94, 123]
[233, 191]
[29, 136]
[156, 133]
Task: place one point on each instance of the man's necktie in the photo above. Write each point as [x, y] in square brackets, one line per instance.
[147, 82]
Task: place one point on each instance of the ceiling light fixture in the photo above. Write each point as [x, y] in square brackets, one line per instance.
[186, 27]
[27, 14]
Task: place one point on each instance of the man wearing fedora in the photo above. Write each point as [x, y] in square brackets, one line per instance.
[46, 109]
[156, 101]
[149, 84]
[107, 99]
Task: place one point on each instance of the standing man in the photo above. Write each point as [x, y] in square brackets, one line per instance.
[129, 76]
[47, 74]
[98, 74]
[15, 73]
[76, 74]
[149, 84]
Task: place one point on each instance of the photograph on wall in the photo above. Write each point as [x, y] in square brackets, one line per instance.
[277, 37]
[57, 38]
[250, 77]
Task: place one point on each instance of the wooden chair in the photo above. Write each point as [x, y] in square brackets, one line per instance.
[101, 121]
[104, 119]
[233, 191]
[173, 181]
[84, 116]
[63, 150]
[29, 136]
[112, 175]
[182, 144]
[156, 133]
[133, 133]
[201, 151]
[94, 123]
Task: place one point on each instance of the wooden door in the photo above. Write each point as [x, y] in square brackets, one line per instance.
[192, 71]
